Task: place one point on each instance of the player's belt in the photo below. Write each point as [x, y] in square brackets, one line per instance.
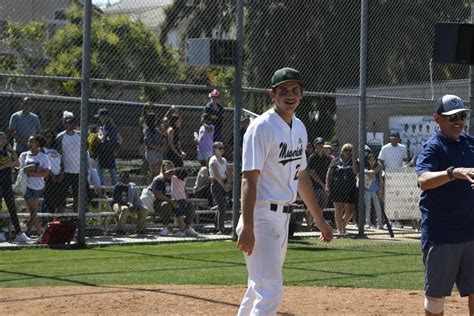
[284, 208]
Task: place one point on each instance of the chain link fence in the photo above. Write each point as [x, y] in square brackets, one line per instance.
[162, 89]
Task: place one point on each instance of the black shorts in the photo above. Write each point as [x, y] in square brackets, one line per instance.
[344, 194]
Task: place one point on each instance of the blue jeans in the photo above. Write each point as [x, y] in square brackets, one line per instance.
[372, 197]
[113, 176]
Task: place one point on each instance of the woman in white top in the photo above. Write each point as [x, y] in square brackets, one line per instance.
[220, 185]
[36, 165]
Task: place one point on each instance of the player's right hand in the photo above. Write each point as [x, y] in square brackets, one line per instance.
[246, 241]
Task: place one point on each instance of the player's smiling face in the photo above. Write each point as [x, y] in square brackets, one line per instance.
[287, 96]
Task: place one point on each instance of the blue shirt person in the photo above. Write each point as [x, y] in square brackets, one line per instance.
[445, 170]
[23, 124]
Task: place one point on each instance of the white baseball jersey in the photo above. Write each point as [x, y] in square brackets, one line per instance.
[278, 152]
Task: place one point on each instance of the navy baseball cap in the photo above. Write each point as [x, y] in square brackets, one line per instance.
[450, 104]
[285, 75]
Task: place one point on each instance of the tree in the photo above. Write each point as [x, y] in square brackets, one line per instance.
[120, 49]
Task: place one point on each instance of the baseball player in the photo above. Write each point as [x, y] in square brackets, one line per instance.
[273, 166]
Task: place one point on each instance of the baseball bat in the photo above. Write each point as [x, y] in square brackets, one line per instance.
[387, 222]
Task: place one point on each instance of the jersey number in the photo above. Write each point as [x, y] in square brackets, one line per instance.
[297, 171]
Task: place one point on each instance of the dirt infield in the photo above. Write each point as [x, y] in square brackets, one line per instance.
[210, 300]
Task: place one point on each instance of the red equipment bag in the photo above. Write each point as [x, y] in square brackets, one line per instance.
[59, 233]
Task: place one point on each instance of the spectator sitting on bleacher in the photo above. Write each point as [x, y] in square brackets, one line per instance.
[69, 145]
[164, 204]
[125, 200]
[8, 160]
[36, 166]
[202, 187]
[184, 211]
[53, 187]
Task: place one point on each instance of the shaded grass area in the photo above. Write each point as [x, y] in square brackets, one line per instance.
[308, 263]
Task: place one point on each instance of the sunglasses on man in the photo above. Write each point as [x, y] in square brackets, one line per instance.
[454, 117]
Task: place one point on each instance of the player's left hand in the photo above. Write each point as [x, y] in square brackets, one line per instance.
[326, 232]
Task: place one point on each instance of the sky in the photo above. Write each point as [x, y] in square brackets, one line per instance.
[102, 3]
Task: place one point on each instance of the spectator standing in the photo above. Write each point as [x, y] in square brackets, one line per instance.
[164, 204]
[53, 186]
[185, 211]
[147, 108]
[153, 150]
[328, 150]
[173, 151]
[220, 184]
[9, 160]
[335, 148]
[445, 170]
[318, 164]
[36, 165]
[205, 139]
[23, 124]
[373, 190]
[109, 143]
[125, 200]
[341, 187]
[216, 111]
[69, 145]
[393, 154]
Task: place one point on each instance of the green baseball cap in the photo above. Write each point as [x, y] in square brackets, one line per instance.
[284, 75]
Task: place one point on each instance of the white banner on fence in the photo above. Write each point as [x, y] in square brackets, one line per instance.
[401, 194]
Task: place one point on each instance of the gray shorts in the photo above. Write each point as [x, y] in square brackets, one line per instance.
[447, 264]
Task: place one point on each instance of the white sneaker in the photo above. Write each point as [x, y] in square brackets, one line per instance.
[3, 237]
[22, 238]
[180, 234]
[164, 231]
[191, 232]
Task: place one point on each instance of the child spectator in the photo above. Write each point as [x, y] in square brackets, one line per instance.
[36, 166]
[53, 186]
[204, 140]
[373, 190]
[184, 211]
[125, 200]
[8, 160]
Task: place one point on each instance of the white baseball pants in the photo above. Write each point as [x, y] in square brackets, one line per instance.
[265, 281]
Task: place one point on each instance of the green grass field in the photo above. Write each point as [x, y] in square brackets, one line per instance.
[348, 263]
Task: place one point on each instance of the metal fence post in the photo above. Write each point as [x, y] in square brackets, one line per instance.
[362, 111]
[237, 115]
[84, 122]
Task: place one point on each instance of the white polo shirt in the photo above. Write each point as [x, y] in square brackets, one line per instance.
[278, 152]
